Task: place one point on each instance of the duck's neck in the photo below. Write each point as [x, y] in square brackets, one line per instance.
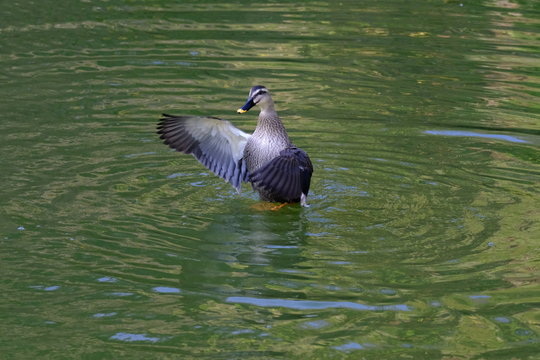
[269, 124]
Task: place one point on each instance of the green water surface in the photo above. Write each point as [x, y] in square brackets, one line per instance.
[422, 120]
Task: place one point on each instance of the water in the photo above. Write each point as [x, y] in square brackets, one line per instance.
[421, 241]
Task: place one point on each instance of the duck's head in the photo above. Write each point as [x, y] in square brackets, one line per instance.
[258, 95]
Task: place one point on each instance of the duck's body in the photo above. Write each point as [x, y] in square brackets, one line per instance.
[276, 169]
[267, 141]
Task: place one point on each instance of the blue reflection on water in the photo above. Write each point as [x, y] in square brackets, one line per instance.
[349, 347]
[140, 154]
[46, 288]
[316, 324]
[166, 290]
[175, 175]
[243, 331]
[281, 246]
[479, 296]
[314, 305]
[133, 337]
[475, 134]
[102, 315]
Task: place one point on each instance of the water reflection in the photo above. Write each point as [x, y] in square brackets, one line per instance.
[314, 305]
[475, 134]
[134, 337]
[348, 347]
[236, 253]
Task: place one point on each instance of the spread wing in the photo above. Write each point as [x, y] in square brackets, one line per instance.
[216, 143]
[287, 176]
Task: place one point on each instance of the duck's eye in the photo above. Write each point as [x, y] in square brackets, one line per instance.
[260, 92]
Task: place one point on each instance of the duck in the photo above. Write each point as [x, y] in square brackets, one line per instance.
[277, 170]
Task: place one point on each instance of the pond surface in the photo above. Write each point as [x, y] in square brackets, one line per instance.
[422, 120]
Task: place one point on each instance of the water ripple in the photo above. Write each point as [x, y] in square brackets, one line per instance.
[122, 336]
[419, 234]
[475, 134]
[315, 305]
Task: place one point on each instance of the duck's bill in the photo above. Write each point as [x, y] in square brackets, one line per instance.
[248, 105]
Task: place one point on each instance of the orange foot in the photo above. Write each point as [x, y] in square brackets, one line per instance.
[277, 207]
[265, 206]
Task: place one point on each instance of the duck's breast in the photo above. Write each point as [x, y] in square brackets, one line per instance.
[260, 150]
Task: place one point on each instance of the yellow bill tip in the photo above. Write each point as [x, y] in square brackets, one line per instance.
[241, 111]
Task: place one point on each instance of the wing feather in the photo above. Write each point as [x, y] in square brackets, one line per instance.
[286, 177]
[215, 143]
